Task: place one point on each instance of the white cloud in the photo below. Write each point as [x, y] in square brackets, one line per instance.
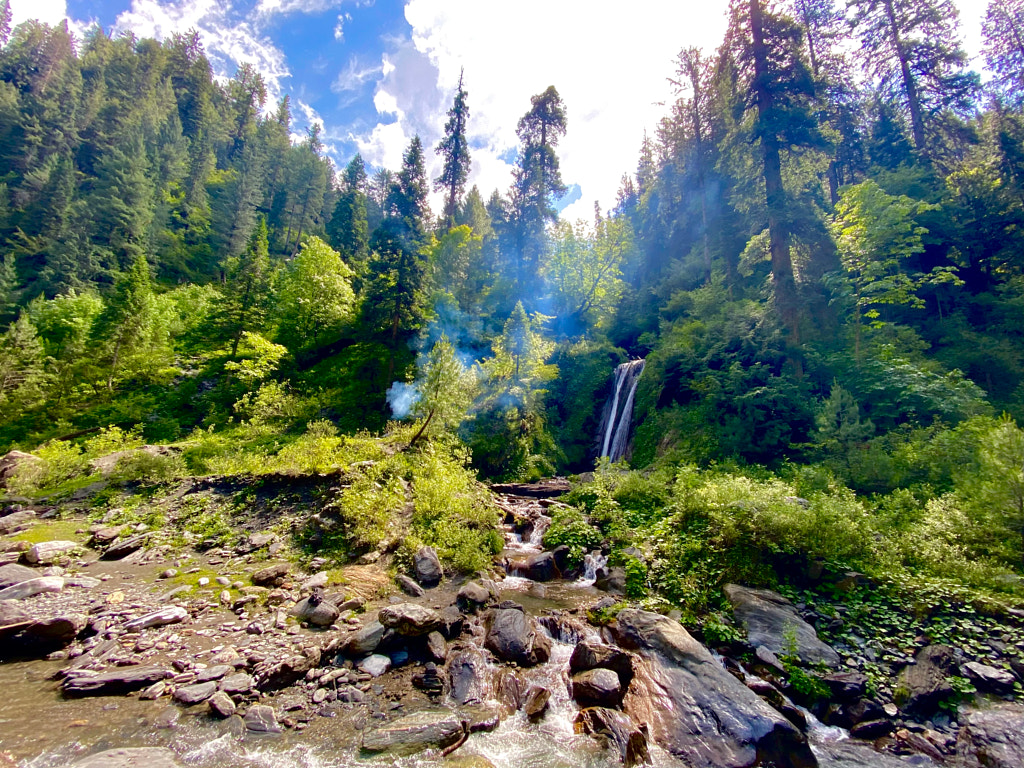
[354, 75]
[269, 7]
[384, 147]
[339, 28]
[48, 11]
[229, 39]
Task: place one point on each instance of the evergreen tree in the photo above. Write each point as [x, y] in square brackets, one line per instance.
[454, 148]
[248, 288]
[348, 229]
[408, 197]
[22, 365]
[8, 286]
[5, 22]
[1003, 34]
[911, 48]
[125, 327]
[537, 182]
[446, 390]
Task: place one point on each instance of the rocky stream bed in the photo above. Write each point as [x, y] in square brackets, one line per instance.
[129, 653]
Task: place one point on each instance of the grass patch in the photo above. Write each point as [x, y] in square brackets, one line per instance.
[53, 530]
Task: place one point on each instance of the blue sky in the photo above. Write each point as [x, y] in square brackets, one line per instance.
[377, 72]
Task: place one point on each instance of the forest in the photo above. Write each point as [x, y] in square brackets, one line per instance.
[819, 254]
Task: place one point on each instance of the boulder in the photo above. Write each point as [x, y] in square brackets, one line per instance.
[427, 567]
[926, 681]
[316, 610]
[410, 619]
[237, 684]
[410, 587]
[365, 640]
[58, 630]
[261, 719]
[536, 702]
[12, 574]
[611, 579]
[770, 620]
[45, 552]
[138, 757]
[693, 707]
[589, 654]
[221, 705]
[851, 754]
[846, 687]
[270, 575]
[12, 613]
[415, 733]
[32, 587]
[992, 738]
[125, 547]
[16, 521]
[467, 675]
[119, 680]
[195, 693]
[375, 665]
[273, 674]
[472, 597]
[537, 567]
[618, 730]
[597, 688]
[12, 461]
[513, 636]
[989, 679]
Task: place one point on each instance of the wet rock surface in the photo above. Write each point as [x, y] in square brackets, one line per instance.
[140, 757]
[415, 733]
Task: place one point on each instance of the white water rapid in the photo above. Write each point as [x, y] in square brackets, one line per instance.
[618, 413]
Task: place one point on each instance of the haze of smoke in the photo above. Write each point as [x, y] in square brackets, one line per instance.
[402, 397]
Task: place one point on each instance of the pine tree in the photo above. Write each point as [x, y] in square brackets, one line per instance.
[911, 47]
[446, 390]
[1003, 33]
[23, 373]
[408, 197]
[125, 326]
[348, 229]
[5, 22]
[454, 148]
[537, 181]
[248, 288]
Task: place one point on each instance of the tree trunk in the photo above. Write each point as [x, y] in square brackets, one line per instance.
[909, 84]
[775, 194]
[422, 429]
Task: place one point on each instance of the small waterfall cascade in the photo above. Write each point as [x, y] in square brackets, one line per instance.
[618, 412]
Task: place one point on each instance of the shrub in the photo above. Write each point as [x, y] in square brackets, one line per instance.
[570, 527]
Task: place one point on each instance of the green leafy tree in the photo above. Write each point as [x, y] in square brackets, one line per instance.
[454, 148]
[876, 233]
[316, 296]
[446, 388]
[996, 492]
[1003, 34]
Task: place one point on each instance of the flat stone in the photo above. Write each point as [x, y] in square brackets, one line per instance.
[437, 647]
[261, 719]
[119, 680]
[46, 552]
[375, 665]
[770, 620]
[409, 586]
[163, 617]
[57, 629]
[316, 610]
[195, 693]
[138, 757]
[215, 672]
[12, 612]
[121, 549]
[365, 640]
[237, 683]
[32, 587]
[415, 733]
[12, 574]
[16, 522]
[270, 574]
[988, 678]
[410, 619]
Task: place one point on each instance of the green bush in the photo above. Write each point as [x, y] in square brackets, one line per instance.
[570, 527]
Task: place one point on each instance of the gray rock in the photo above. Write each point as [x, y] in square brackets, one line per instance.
[589, 654]
[611, 579]
[693, 707]
[365, 640]
[17, 521]
[12, 461]
[410, 619]
[536, 702]
[850, 754]
[12, 613]
[989, 679]
[926, 681]
[32, 587]
[537, 567]
[316, 610]
[846, 686]
[415, 733]
[271, 574]
[12, 574]
[59, 630]
[195, 693]
[238, 683]
[221, 705]
[276, 673]
[467, 675]
[82, 582]
[513, 636]
[45, 552]
[427, 567]
[409, 586]
[316, 581]
[163, 617]
[119, 680]
[472, 597]
[596, 688]
[437, 647]
[992, 738]
[138, 757]
[261, 719]
[619, 730]
[216, 672]
[770, 620]
[125, 547]
[375, 665]
[168, 718]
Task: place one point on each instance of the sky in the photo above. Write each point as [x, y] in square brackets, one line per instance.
[375, 73]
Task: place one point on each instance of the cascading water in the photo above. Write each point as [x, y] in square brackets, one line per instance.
[618, 412]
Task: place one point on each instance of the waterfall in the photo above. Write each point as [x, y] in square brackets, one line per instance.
[616, 422]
